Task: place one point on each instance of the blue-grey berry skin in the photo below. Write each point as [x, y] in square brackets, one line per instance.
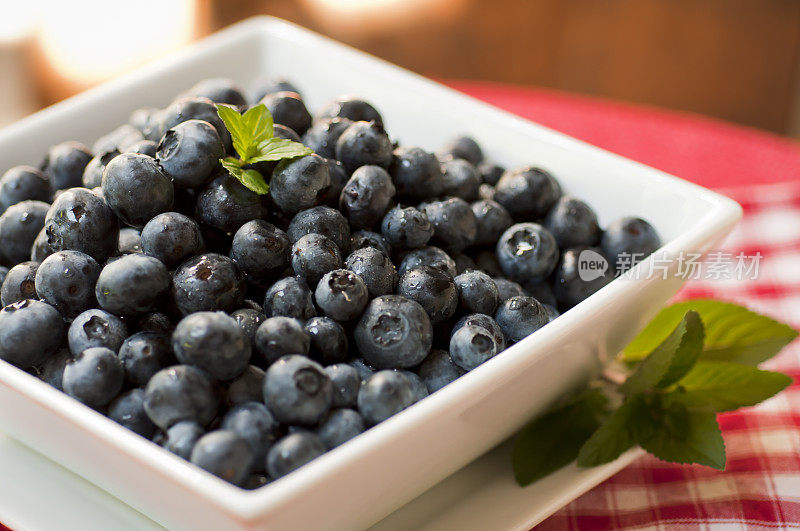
[464, 148]
[527, 252]
[629, 240]
[292, 452]
[541, 291]
[508, 288]
[96, 328]
[568, 286]
[433, 289]
[52, 370]
[253, 422]
[464, 263]
[181, 438]
[225, 454]
[39, 323]
[136, 188]
[64, 164]
[346, 381]
[130, 241]
[492, 219]
[226, 204]
[148, 121]
[4, 271]
[23, 183]
[340, 426]
[461, 179]
[341, 294]
[265, 86]
[490, 172]
[41, 247]
[19, 283]
[249, 319]
[143, 147]
[297, 391]
[128, 410]
[261, 250]
[279, 335]
[353, 109]
[364, 369]
[299, 183]
[482, 321]
[172, 238]
[428, 256]
[287, 108]
[320, 220]
[438, 370]
[418, 386]
[208, 282]
[191, 108]
[190, 152]
[573, 223]
[383, 395]
[527, 193]
[328, 340]
[471, 346]
[394, 333]
[366, 238]
[178, 393]
[521, 316]
[247, 387]
[313, 255]
[155, 322]
[132, 285]
[94, 377]
[93, 173]
[219, 90]
[552, 312]
[321, 138]
[367, 196]
[406, 228]
[289, 297]
[143, 354]
[416, 173]
[80, 220]
[117, 140]
[339, 178]
[454, 225]
[375, 269]
[20, 224]
[486, 192]
[67, 280]
[286, 133]
[213, 342]
[477, 292]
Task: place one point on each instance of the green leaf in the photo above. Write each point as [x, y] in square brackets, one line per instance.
[249, 178]
[625, 427]
[728, 386]
[259, 121]
[733, 333]
[241, 134]
[670, 360]
[553, 440]
[277, 148]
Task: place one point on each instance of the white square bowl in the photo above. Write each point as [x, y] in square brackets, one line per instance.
[365, 479]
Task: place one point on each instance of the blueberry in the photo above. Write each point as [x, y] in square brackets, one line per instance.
[322, 136]
[486, 192]
[364, 144]
[454, 224]
[41, 247]
[66, 280]
[394, 333]
[628, 241]
[541, 291]
[508, 288]
[568, 286]
[490, 172]
[340, 426]
[143, 147]
[428, 256]
[527, 252]
[213, 342]
[351, 108]
[299, 183]
[219, 90]
[365, 238]
[433, 289]
[521, 316]
[225, 454]
[148, 121]
[464, 148]
[471, 346]
[130, 241]
[482, 321]
[253, 422]
[297, 390]
[117, 140]
[39, 323]
[190, 152]
[527, 193]
[64, 164]
[192, 108]
[23, 183]
[80, 220]
[131, 285]
[208, 282]
[128, 410]
[247, 387]
[249, 319]
[375, 269]
[271, 86]
[339, 178]
[366, 197]
[155, 322]
[417, 174]
[226, 204]
[94, 377]
[261, 250]
[4, 271]
[383, 395]
[96, 328]
[341, 295]
[406, 228]
[328, 340]
[19, 226]
[460, 179]
[136, 188]
[292, 452]
[464, 263]
[418, 386]
[477, 292]
[182, 437]
[172, 238]
[280, 335]
[320, 220]
[363, 368]
[289, 297]
[19, 283]
[286, 133]
[486, 261]
[313, 255]
[143, 354]
[573, 223]
[438, 370]
[287, 108]
[492, 219]
[52, 370]
[180, 392]
[346, 381]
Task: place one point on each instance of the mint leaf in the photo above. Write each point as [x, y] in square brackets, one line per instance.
[553, 440]
[249, 178]
[625, 427]
[277, 148]
[728, 386]
[670, 360]
[259, 121]
[733, 333]
[241, 133]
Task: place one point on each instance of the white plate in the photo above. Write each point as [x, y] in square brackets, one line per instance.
[364, 480]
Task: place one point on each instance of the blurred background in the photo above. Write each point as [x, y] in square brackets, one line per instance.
[737, 60]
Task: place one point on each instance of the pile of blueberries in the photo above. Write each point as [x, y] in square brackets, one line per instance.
[250, 334]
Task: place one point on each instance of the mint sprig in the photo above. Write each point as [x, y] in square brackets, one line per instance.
[253, 139]
[694, 360]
